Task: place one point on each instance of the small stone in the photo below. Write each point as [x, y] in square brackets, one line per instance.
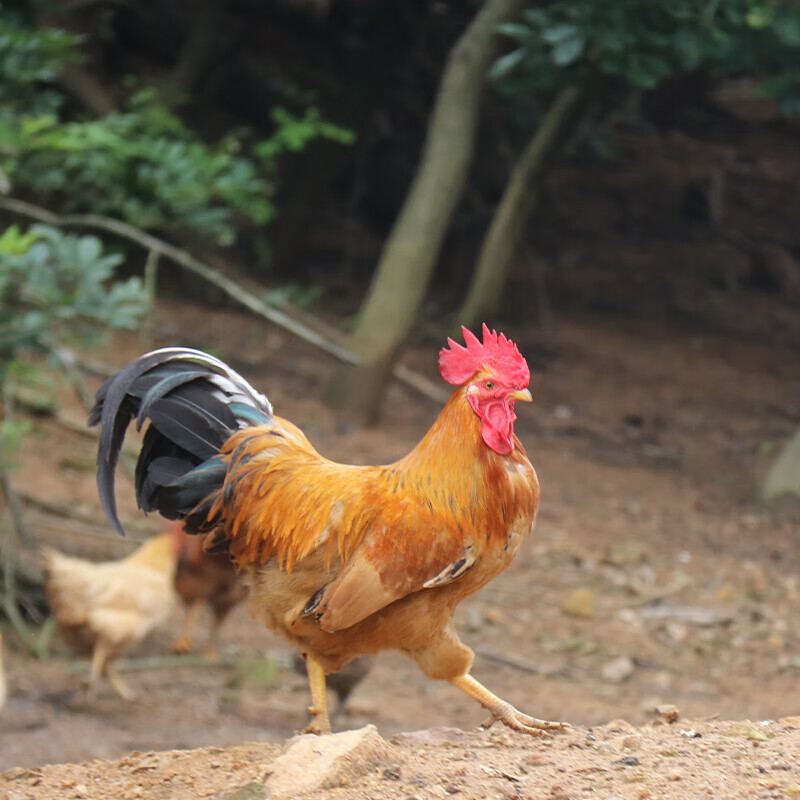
[493, 615]
[391, 774]
[558, 792]
[537, 760]
[674, 776]
[668, 712]
[632, 742]
[618, 670]
[81, 790]
[628, 761]
[580, 603]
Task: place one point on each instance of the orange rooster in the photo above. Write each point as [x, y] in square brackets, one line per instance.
[341, 560]
[101, 609]
[203, 578]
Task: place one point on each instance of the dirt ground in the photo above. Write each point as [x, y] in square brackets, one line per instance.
[653, 577]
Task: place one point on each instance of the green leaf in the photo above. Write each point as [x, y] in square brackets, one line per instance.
[506, 64]
[560, 33]
[568, 50]
[515, 30]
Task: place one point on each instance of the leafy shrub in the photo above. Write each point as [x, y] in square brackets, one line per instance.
[141, 164]
[55, 289]
[641, 43]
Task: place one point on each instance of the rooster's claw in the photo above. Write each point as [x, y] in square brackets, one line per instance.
[523, 723]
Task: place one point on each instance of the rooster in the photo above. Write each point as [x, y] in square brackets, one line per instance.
[102, 609]
[203, 578]
[341, 560]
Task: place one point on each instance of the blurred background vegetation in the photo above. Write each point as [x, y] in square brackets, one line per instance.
[441, 154]
[401, 162]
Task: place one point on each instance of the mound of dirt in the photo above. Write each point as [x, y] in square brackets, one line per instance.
[683, 759]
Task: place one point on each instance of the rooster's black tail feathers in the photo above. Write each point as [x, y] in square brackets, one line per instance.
[194, 403]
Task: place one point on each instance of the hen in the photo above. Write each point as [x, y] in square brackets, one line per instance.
[203, 579]
[101, 609]
[341, 560]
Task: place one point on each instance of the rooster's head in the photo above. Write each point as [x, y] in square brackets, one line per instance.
[494, 376]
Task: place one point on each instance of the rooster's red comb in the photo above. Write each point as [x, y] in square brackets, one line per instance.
[497, 353]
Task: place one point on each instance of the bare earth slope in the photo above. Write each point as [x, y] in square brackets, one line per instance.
[687, 759]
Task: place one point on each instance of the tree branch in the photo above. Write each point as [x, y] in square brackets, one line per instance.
[194, 265]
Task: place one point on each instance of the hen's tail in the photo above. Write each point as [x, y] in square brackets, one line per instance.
[194, 402]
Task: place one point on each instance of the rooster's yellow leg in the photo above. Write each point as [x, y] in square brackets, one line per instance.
[120, 687]
[99, 658]
[503, 711]
[320, 722]
[184, 642]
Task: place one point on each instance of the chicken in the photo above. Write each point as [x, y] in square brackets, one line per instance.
[203, 578]
[102, 609]
[340, 560]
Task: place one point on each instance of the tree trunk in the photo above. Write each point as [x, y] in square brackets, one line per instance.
[507, 229]
[410, 253]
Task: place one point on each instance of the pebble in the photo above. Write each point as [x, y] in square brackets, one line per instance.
[618, 670]
[668, 712]
[579, 604]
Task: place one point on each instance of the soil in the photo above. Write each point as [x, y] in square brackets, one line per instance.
[653, 577]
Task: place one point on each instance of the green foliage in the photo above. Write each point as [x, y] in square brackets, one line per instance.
[55, 289]
[142, 164]
[641, 43]
[29, 60]
[292, 134]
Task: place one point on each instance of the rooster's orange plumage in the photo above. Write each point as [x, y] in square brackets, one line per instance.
[341, 560]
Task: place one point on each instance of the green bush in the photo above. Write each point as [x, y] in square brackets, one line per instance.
[142, 164]
[641, 43]
[56, 289]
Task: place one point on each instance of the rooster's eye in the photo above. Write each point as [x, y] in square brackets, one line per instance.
[489, 384]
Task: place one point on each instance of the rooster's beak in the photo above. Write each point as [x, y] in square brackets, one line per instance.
[522, 394]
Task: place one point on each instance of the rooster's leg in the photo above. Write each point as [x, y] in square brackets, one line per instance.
[212, 647]
[184, 642]
[120, 687]
[320, 723]
[99, 658]
[503, 711]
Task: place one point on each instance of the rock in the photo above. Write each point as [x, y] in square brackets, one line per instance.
[783, 476]
[631, 742]
[668, 712]
[316, 763]
[618, 670]
[255, 790]
[580, 603]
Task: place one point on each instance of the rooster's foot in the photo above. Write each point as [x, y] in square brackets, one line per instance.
[320, 724]
[523, 723]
